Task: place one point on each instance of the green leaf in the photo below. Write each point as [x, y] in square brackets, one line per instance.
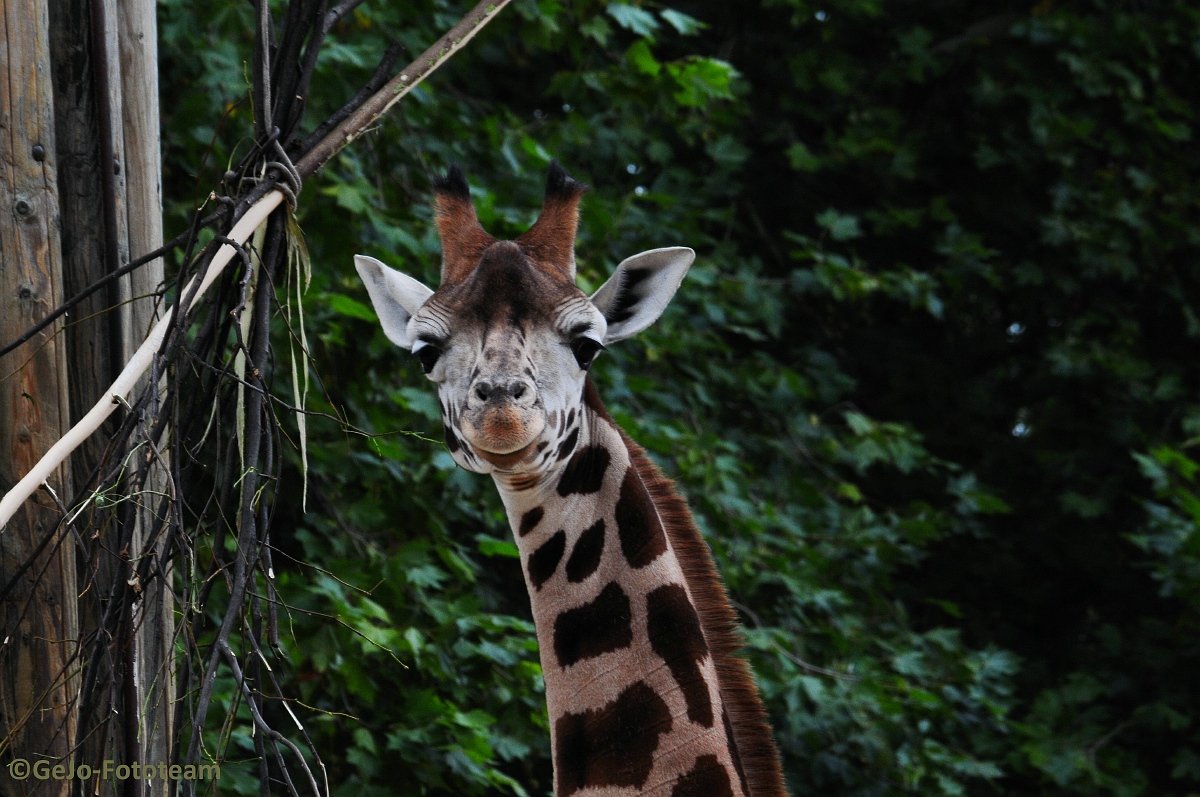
[701, 80]
[642, 59]
[802, 158]
[841, 226]
[349, 196]
[859, 423]
[683, 23]
[634, 19]
[597, 29]
[344, 305]
[415, 640]
[491, 546]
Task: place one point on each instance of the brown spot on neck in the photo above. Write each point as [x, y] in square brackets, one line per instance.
[544, 561]
[584, 474]
[706, 778]
[675, 635]
[530, 520]
[751, 744]
[613, 745]
[595, 628]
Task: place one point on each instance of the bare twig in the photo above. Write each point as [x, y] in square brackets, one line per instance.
[373, 84]
[239, 478]
[108, 279]
[985, 28]
[349, 130]
[395, 89]
[133, 371]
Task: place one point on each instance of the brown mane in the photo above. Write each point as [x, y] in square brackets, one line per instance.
[756, 755]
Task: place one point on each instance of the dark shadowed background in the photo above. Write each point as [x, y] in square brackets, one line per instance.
[931, 387]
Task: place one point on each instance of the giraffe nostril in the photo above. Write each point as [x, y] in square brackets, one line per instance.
[488, 392]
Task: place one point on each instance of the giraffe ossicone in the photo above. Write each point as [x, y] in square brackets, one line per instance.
[645, 691]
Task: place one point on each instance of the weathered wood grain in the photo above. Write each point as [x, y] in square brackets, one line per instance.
[38, 624]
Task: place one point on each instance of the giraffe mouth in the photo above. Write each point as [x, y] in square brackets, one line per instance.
[504, 436]
[506, 461]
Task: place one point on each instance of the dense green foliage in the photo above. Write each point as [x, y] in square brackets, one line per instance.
[931, 387]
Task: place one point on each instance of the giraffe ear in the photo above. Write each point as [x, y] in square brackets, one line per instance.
[640, 289]
[396, 297]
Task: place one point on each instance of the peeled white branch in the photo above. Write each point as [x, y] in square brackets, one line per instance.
[353, 126]
[118, 393]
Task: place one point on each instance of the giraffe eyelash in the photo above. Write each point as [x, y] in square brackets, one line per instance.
[428, 352]
[585, 350]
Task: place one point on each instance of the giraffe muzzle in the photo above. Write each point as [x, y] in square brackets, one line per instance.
[502, 418]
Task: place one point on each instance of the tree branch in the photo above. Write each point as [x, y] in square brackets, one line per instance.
[373, 84]
[353, 126]
[120, 389]
[395, 89]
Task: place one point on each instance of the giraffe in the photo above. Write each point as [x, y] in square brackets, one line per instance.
[645, 692]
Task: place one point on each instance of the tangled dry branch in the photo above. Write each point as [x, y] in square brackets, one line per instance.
[205, 421]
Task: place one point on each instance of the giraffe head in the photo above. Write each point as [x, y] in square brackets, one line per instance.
[507, 337]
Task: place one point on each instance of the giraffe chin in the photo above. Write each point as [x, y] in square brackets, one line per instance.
[505, 461]
[503, 436]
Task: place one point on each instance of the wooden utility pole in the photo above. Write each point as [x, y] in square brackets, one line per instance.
[82, 177]
[154, 619]
[105, 65]
[39, 632]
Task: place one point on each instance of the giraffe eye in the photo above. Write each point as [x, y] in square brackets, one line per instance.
[585, 350]
[428, 354]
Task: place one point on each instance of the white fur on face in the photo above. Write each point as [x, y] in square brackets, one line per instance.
[533, 358]
[502, 342]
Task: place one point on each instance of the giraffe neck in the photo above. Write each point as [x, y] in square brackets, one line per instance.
[633, 679]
